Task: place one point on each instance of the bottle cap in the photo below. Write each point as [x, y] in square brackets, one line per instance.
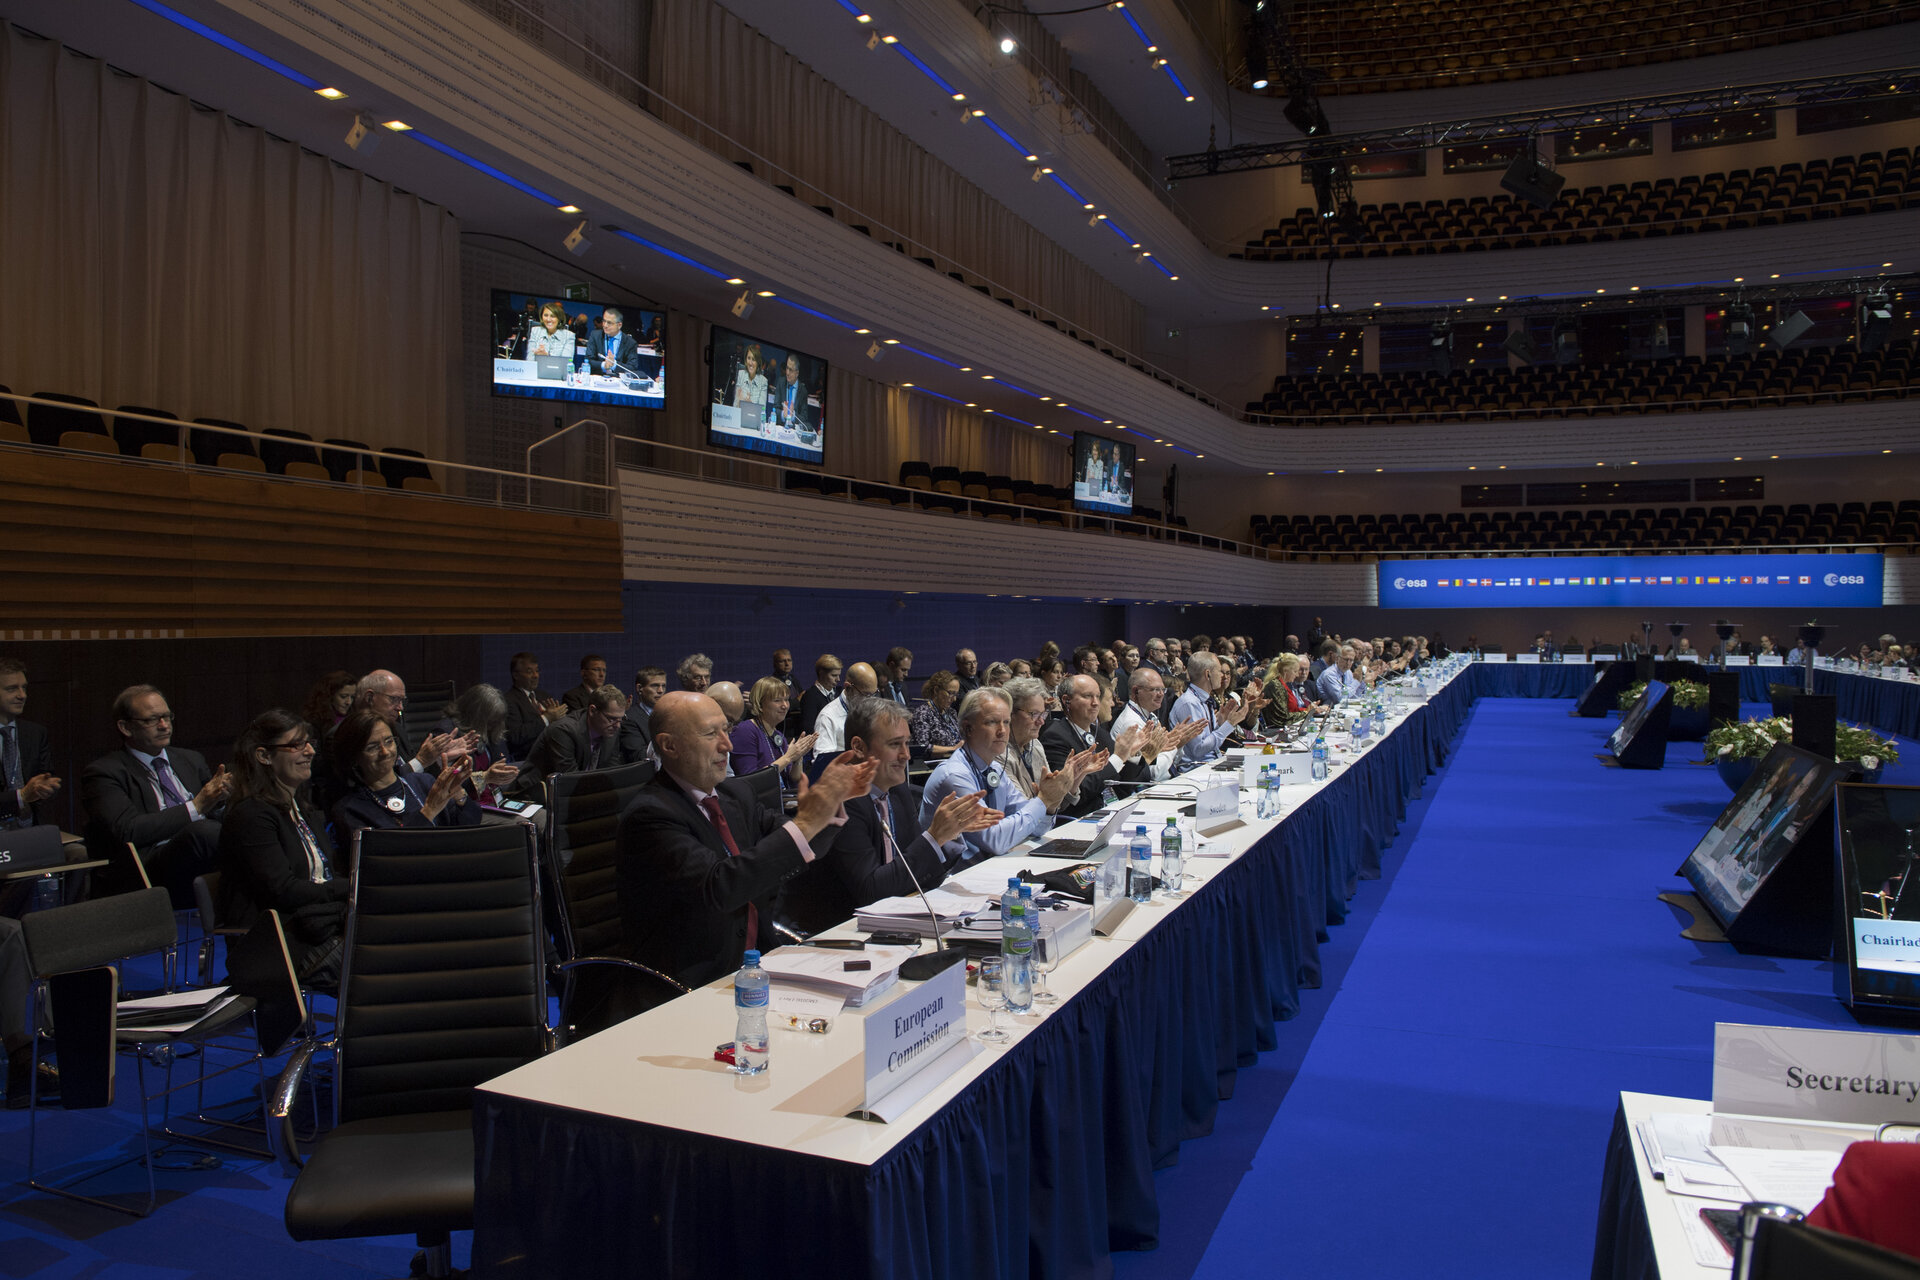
[751, 958]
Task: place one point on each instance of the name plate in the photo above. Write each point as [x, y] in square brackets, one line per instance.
[915, 1041]
[1292, 766]
[1410, 693]
[1686, 657]
[1217, 809]
[1816, 1077]
[1736, 660]
[1770, 660]
[1526, 657]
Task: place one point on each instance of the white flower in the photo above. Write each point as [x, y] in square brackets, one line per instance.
[1727, 750]
[1869, 763]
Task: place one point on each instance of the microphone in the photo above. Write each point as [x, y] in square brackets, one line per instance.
[918, 968]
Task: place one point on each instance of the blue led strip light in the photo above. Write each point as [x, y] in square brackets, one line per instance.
[228, 42]
[661, 249]
[481, 166]
[926, 70]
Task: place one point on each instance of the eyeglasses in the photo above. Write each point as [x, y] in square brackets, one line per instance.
[165, 717]
[299, 744]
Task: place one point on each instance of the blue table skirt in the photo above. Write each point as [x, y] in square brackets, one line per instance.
[1042, 1167]
[1889, 706]
[1622, 1242]
[1531, 680]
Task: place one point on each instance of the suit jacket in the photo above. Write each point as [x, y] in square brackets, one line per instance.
[566, 747]
[264, 863]
[117, 797]
[636, 733]
[525, 724]
[1061, 740]
[856, 870]
[812, 702]
[683, 899]
[893, 691]
[624, 349]
[36, 758]
[576, 697]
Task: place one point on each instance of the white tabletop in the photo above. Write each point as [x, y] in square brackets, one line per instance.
[658, 1068]
[1665, 1211]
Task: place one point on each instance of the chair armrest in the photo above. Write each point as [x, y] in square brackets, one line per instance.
[280, 1103]
[617, 962]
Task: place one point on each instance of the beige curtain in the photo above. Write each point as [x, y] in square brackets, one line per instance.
[161, 254]
[881, 426]
[745, 87]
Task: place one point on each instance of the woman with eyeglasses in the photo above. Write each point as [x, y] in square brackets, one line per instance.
[378, 795]
[274, 850]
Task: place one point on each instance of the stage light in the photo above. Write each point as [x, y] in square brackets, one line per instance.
[576, 241]
[873, 351]
[361, 137]
[1876, 322]
[1007, 45]
[569, 208]
[331, 94]
[398, 126]
[1566, 340]
[1739, 328]
[743, 305]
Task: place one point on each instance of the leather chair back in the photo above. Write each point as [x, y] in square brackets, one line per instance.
[583, 816]
[444, 982]
[1790, 1250]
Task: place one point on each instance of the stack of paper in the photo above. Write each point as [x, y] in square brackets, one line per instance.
[172, 1013]
[1681, 1151]
[825, 970]
[907, 914]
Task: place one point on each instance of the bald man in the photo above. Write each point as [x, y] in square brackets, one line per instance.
[862, 681]
[700, 861]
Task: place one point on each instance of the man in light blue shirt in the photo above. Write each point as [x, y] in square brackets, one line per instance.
[986, 720]
[1338, 683]
[1205, 677]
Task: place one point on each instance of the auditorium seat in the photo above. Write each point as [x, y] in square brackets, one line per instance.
[421, 484]
[89, 441]
[298, 470]
[240, 462]
[288, 446]
[916, 475]
[365, 478]
[973, 484]
[401, 465]
[207, 446]
[345, 456]
[946, 480]
[46, 423]
[133, 434]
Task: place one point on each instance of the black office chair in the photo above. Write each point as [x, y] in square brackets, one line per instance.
[442, 988]
[583, 812]
[1778, 1244]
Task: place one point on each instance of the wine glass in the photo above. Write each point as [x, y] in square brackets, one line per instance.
[1046, 958]
[992, 991]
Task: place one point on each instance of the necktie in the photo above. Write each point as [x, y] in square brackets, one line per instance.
[885, 810]
[711, 805]
[169, 787]
[10, 774]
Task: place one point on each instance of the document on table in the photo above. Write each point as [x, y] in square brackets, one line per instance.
[1677, 1151]
[1701, 1239]
[798, 1009]
[1797, 1178]
[826, 970]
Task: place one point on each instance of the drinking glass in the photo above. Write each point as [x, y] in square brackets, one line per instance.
[992, 990]
[1173, 872]
[1046, 958]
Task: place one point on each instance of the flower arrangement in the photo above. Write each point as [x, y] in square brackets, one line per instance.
[1688, 695]
[1752, 739]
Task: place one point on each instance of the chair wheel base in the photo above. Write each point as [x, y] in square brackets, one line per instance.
[424, 1261]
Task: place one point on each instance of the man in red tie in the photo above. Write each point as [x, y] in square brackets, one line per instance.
[700, 860]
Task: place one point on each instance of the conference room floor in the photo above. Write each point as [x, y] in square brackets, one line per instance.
[1440, 1107]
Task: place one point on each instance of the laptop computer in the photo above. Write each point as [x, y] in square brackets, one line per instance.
[1082, 848]
[27, 851]
[550, 368]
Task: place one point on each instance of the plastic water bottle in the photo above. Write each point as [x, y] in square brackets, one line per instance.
[1318, 769]
[1016, 945]
[1379, 717]
[750, 1016]
[1007, 899]
[1263, 799]
[582, 378]
[1140, 865]
[1172, 856]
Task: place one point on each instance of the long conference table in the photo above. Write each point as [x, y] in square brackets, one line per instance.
[635, 1152]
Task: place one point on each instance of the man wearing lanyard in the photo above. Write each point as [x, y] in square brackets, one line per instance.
[986, 718]
[1077, 730]
[1338, 683]
[1162, 748]
[160, 798]
[1205, 676]
[832, 722]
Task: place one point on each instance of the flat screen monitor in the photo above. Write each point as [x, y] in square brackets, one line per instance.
[1728, 579]
[1636, 715]
[1877, 843]
[1766, 818]
[766, 399]
[548, 348]
[1102, 475]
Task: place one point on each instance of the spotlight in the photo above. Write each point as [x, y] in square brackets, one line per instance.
[1660, 342]
[1738, 321]
[1788, 331]
[361, 137]
[742, 307]
[1529, 178]
[1566, 340]
[1039, 174]
[873, 350]
[1521, 344]
[873, 42]
[1876, 322]
[1305, 113]
[331, 94]
[1007, 45]
[576, 241]
[1259, 71]
[1440, 347]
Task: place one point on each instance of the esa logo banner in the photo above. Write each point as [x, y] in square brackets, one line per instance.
[1827, 581]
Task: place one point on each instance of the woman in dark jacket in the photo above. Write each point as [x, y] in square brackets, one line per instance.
[274, 851]
[365, 755]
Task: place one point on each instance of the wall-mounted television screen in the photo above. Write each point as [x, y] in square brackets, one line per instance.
[1879, 884]
[548, 348]
[1102, 475]
[766, 399]
[1770, 813]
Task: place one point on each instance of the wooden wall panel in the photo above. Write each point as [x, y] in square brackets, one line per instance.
[103, 547]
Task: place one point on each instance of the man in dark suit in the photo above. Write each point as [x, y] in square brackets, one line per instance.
[585, 741]
[1076, 730]
[593, 674]
[636, 735]
[1156, 657]
[894, 672]
[530, 709]
[610, 352]
[790, 398]
[883, 849]
[26, 753]
[699, 867]
[1316, 636]
[160, 798]
[966, 666]
[825, 688]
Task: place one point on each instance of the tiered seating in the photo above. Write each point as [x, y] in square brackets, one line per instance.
[76, 423]
[1641, 529]
[1387, 45]
[1767, 196]
[1764, 380]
